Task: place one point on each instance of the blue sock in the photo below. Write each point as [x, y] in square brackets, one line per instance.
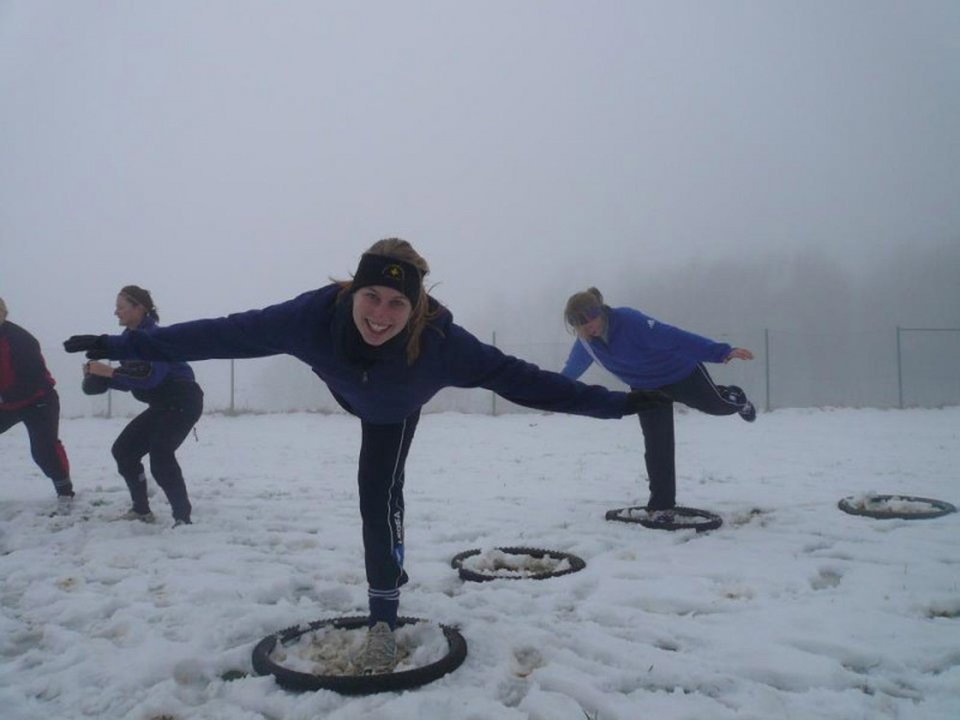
[384, 609]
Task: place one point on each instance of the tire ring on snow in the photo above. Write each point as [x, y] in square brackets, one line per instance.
[713, 521]
[576, 564]
[939, 508]
[356, 684]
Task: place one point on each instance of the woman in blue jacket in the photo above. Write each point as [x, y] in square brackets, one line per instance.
[663, 362]
[174, 404]
[384, 347]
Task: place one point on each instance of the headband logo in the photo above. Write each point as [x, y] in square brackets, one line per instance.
[394, 272]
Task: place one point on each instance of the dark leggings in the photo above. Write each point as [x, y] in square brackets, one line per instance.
[42, 420]
[697, 391]
[159, 431]
[383, 454]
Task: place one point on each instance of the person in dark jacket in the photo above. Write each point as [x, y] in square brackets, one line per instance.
[384, 347]
[662, 361]
[174, 404]
[27, 395]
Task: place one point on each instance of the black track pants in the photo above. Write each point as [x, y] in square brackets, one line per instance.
[697, 391]
[383, 454]
[159, 431]
[42, 420]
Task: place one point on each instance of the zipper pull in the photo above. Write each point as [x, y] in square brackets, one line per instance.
[364, 375]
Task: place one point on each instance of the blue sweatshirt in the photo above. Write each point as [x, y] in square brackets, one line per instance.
[385, 389]
[149, 381]
[642, 352]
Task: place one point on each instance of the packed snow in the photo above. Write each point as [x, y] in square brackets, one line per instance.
[792, 609]
[330, 651]
[495, 563]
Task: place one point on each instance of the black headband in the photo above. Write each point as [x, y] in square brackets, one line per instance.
[390, 272]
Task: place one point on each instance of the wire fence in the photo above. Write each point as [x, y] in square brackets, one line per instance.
[899, 368]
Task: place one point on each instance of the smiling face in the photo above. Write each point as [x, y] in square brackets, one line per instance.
[129, 314]
[380, 313]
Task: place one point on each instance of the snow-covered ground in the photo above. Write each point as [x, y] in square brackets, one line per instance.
[792, 609]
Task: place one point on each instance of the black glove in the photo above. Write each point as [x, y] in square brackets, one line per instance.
[640, 400]
[95, 385]
[95, 345]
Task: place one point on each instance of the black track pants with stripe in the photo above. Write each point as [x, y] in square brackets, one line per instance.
[698, 391]
[42, 420]
[383, 454]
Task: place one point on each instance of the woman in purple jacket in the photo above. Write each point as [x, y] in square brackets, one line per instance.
[663, 362]
[384, 347]
[174, 404]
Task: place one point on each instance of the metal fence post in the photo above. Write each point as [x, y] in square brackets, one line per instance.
[766, 363]
[493, 395]
[899, 371]
[109, 397]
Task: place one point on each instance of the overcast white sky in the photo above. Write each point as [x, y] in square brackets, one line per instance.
[226, 155]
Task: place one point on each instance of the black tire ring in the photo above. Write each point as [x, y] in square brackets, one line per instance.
[576, 564]
[356, 684]
[715, 520]
[942, 508]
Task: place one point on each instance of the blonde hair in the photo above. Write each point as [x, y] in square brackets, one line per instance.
[582, 305]
[421, 314]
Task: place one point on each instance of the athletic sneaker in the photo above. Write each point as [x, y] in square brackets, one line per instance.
[131, 514]
[736, 395]
[661, 516]
[64, 504]
[379, 652]
[748, 412]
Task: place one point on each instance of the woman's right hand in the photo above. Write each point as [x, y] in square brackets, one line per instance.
[98, 368]
[739, 354]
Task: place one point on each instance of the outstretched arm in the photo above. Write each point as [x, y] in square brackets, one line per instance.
[256, 333]
[472, 363]
[577, 362]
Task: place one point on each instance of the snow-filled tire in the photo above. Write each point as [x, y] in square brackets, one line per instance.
[356, 684]
[683, 518]
[938, 508]
[576, 564]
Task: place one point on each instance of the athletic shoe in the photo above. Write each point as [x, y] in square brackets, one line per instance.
[178, 523]
[147, 517]
[748, 412]
[64, 504]
[736, 395]
[379, 653]
[661, 516]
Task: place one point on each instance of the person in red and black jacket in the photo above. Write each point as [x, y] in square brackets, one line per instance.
[27, 396]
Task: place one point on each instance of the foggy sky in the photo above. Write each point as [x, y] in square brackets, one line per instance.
[230, 154]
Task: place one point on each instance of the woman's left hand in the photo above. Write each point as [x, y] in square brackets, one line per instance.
[739, 354]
